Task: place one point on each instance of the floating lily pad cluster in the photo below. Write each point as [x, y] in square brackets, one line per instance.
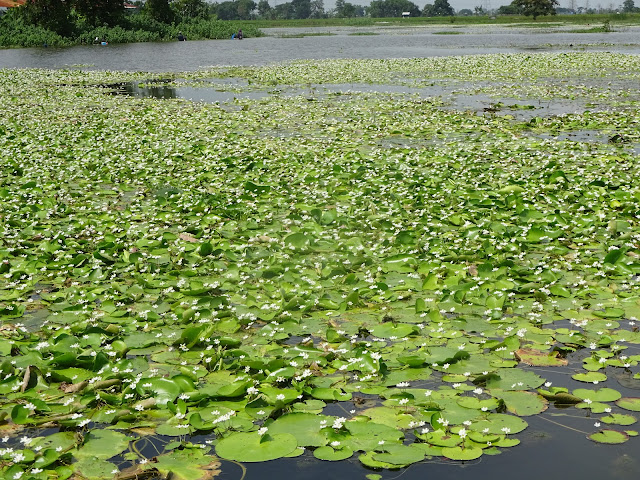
[348, 274]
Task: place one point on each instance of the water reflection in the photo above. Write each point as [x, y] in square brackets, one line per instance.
[165, 89]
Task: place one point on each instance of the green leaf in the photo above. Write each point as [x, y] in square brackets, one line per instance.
[252, 447]
[619, 419]
[459, 453]
[331, 454]
[94, 468]
[305, 427]
[611, 437]
[400, 455]
[590, 377]
[522, 403]
[102, 444]
[187, 464]
[601, 395]
[499, 423]
[629, 403]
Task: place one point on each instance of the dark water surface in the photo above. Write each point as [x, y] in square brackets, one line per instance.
[325, 42]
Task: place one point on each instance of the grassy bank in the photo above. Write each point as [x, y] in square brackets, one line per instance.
[622, 19]
[15, 33]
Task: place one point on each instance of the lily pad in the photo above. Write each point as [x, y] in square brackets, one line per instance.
[332, 454]
[629, 403]
[611, 437]
[619, 419]
[459, 453]
[252, 447]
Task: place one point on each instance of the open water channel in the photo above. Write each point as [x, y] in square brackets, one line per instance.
[280, 45]
[550, 447]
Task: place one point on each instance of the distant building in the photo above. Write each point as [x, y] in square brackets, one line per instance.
[11, 3]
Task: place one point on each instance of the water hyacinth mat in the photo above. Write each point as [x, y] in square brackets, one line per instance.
[407, 268]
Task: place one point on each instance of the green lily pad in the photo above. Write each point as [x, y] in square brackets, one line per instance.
[590, 377]
[331, 454]
[629, 403]
[102, 444]
[522, 403]
[399, 455]
[305, 427]
[611, 437]
[252, 447]
[499, 423]
[187, 464]
[601, 395]
[459, 453]
[539, 358]
[619, 419]
[94, 468]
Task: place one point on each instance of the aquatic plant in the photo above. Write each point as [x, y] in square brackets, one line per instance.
[245, 270]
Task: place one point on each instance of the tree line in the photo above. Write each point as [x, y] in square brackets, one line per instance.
[63, 16]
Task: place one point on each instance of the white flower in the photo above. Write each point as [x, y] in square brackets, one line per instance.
[338, 422]
[262, 431]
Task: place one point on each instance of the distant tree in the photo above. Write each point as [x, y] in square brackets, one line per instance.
[440, 8]
[344, 9]
[510, 9]
[245, 8]
[629, 6]
[191, 8]
[284, 11]
[392, 8]
[159, 10]
[479, 10]
[465, 12]
[234, 10]
[264, 9]
[301, 8]
[53, 15]
[100, 12]
[317, 9]
[536, 8]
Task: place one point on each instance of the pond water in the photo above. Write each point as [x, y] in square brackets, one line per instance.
[322, 42]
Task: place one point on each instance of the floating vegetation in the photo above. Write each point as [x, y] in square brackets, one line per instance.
[367, 275]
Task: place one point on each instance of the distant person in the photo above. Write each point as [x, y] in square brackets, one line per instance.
[181, 37]
[240, 34]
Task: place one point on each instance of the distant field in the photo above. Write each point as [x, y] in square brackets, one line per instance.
[556, 20]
